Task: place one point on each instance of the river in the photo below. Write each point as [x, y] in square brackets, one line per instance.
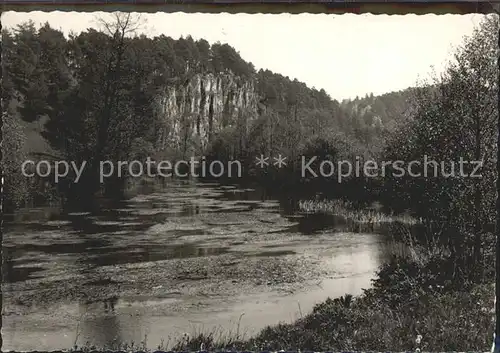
[187, 258]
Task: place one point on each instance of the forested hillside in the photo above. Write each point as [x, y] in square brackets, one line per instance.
[113, 95]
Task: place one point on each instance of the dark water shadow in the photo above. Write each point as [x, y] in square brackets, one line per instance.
[149, 253]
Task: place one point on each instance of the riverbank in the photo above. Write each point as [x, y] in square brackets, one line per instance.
[403, 315]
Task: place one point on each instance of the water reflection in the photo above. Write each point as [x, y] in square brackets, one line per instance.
[12, 273]
[100, 324]
[150, 253]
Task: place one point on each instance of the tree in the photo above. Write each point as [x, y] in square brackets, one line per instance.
[454, 118]
[15, 186]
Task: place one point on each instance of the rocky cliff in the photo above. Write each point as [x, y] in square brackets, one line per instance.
[202, 105]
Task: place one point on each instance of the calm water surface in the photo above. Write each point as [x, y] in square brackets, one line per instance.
[191, 257]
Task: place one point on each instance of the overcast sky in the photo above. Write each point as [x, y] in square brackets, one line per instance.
[347, 55]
